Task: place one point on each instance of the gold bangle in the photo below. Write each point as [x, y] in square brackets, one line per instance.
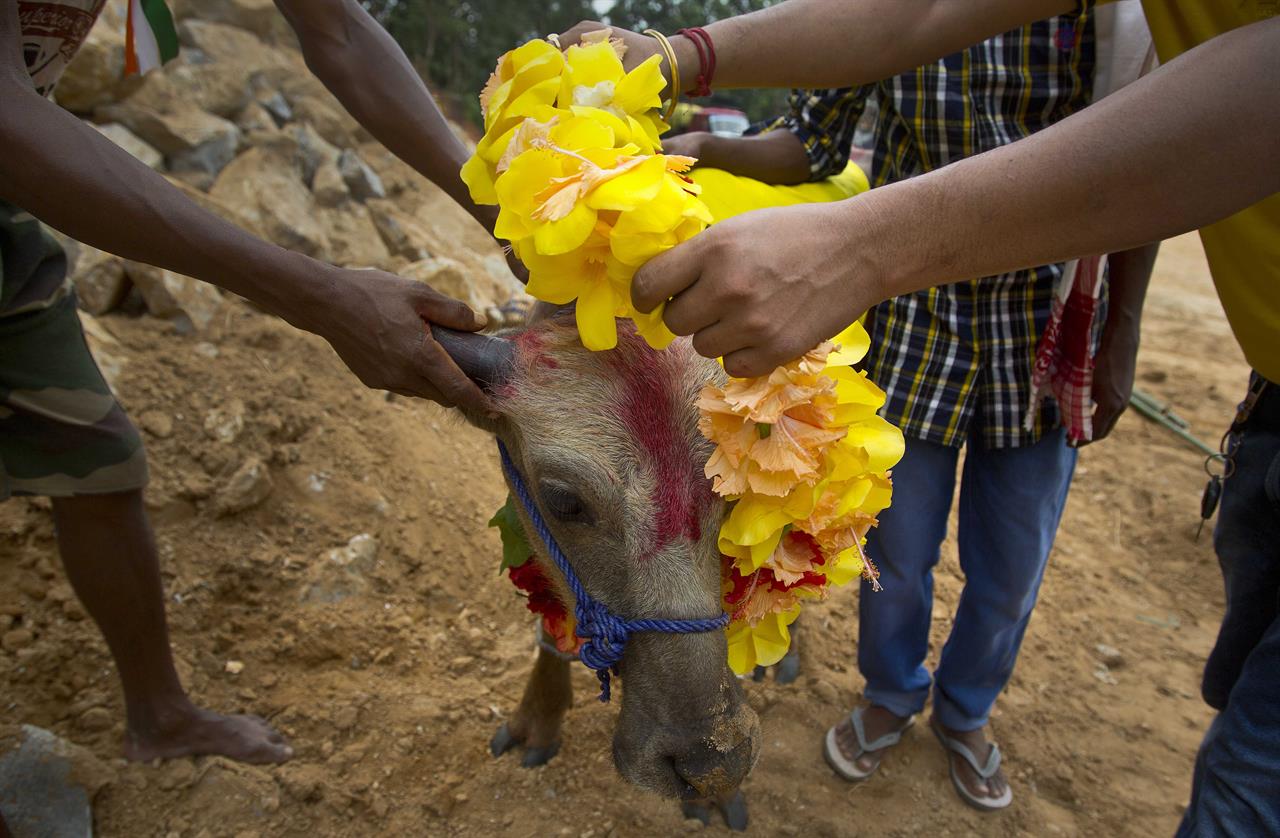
[675, 70]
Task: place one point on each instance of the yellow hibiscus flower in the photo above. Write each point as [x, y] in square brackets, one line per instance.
[570, 217]
[595, 84]
[763, 644]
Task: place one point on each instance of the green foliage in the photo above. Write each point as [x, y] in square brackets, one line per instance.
[455, 43]
[515, 547]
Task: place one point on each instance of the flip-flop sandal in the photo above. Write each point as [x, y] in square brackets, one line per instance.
[986, 772]
[848, 768]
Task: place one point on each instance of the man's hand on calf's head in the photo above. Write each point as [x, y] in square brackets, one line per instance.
[377, 323]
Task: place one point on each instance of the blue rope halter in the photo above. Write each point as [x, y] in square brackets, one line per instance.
[605, 633]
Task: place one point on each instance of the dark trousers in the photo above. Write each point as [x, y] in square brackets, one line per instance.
[1236, 786]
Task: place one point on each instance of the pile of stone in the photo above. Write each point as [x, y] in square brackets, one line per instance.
[239, 124]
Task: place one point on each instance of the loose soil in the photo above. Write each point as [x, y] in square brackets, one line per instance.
[390, 672]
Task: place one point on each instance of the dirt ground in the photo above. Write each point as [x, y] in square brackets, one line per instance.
[390, 663]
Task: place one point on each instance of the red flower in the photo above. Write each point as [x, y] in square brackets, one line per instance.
[542, 600]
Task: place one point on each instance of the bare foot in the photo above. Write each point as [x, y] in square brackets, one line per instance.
[876, 722]
[197, 732]
[989, 790]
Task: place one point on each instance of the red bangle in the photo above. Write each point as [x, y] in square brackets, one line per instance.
[706, 59]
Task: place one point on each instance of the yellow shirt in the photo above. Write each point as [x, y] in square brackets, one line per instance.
[1244, 249]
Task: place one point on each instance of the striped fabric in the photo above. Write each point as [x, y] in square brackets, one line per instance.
[964, 352]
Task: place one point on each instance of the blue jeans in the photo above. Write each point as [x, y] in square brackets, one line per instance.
[1011, 501]
[1236, 786]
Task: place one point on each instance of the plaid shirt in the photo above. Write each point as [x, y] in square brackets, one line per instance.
[952, 354]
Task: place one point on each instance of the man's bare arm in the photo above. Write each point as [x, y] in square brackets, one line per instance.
[1187, 145]
[773, 157]
[1181, 148]
[365, 68]
[73, 178]
[837, 43]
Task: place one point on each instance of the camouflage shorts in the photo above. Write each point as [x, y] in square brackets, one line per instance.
[62, 433]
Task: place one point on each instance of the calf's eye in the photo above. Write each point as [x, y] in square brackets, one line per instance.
[564, 504]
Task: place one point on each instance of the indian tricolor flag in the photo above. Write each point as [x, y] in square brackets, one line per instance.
[150, 39]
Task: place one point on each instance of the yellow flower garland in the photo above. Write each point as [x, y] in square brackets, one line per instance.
[572, 158]
[569, 155]
[805, 460]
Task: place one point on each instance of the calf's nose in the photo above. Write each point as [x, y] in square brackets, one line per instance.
[717, 764]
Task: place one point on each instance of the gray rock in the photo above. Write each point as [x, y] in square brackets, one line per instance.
[343, 573]
[326, 115]
[131, 143]
[268, 194]
[225, 43]
[359, 554]
[209, 157]
[256, 121]
[94, 77]
[261, 17]
[99, 279]
[328, 186]
[249, 486]
[353, 240]
[179, 132]
[450, 278]
[1109, 655]
[46, 785]
[190, 138]
[402, 233]
[107, 351]
[224, 423]
[363, 181]
[314, 151]
[276, 105]
[176, 297]
[1103, 674]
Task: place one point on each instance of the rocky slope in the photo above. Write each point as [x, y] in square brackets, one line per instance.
[239, 124]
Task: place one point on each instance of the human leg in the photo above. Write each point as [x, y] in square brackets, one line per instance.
[62, 434]
[1236, 782]
[110, 559]
[893, 630]
[1011, 501]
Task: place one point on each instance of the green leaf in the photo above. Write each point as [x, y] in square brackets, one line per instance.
[515, 547]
